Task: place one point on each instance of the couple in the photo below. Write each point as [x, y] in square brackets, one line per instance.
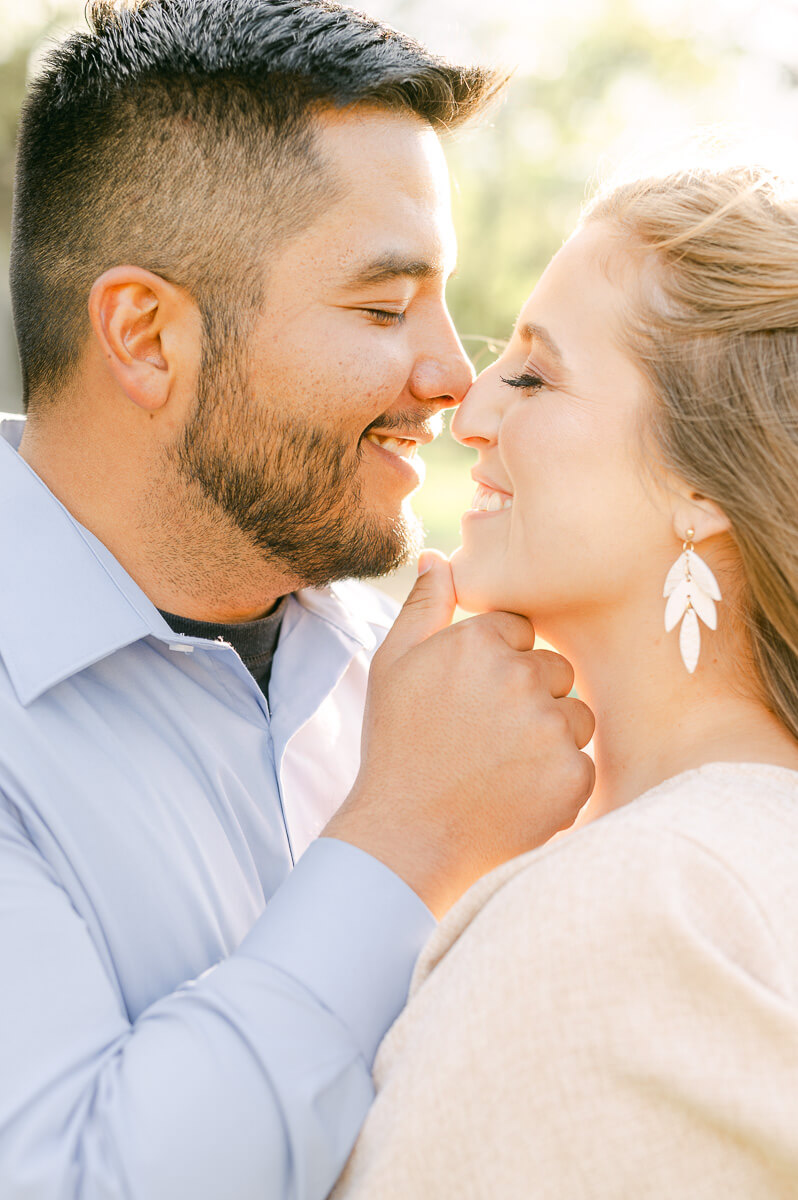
[220, 424]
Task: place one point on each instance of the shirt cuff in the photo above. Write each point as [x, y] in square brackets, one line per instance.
[350, 930]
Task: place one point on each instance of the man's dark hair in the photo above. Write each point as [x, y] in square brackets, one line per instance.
[177, 135]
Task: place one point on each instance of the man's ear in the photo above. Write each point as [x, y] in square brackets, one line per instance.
[138, 320]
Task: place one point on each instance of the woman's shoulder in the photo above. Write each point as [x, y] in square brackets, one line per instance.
[742, 815]
[708, 857]
[695, 798]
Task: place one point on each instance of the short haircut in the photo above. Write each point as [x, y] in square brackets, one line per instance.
[178, 136]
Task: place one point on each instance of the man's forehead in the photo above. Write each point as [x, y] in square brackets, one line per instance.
[378, 149]
[389, 207]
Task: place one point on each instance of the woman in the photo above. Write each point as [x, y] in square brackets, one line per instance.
[616, 1013]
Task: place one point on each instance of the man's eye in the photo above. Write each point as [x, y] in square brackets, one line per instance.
[526, 381]
[384, 316]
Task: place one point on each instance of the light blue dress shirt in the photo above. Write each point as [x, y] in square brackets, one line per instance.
[182, 1016]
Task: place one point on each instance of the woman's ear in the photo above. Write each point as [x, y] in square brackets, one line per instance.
[701, 515]
[137, 320]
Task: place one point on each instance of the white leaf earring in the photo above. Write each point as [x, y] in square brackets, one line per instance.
[692, 590]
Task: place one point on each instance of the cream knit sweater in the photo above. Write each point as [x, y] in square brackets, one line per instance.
[613, 1016]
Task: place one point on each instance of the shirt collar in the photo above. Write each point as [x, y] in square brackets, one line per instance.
[350, 608]
[65, 602]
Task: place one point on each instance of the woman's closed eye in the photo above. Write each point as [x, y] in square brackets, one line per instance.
[525, 380]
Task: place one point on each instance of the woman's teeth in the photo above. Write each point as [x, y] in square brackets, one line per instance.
[487, 500]
[401, 446]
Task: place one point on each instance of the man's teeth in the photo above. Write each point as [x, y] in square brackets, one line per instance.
[401, 446]
[487, 500]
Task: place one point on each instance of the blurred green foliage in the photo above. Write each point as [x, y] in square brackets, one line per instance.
[520, 185]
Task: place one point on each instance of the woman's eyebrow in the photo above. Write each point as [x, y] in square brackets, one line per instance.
[529, 332]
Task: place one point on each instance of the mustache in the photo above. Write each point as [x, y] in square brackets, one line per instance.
[418, 422]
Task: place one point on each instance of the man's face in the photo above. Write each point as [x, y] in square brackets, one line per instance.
[306, 437]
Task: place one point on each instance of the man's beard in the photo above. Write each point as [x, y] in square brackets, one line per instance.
[291, 489]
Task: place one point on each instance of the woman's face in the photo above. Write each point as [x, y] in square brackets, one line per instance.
[566, 517]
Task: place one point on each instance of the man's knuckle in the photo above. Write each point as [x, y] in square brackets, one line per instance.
[553, 723]
[516, 673]
[579, 775]
[489, 620]
[477, 631]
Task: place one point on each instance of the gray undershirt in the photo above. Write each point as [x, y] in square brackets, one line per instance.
[254, 641]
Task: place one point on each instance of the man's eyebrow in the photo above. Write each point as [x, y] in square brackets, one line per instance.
[392, 266]
[530, 332]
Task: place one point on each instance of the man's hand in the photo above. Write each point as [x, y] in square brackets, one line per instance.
[471, 746]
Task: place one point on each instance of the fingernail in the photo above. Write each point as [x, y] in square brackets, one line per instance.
[425, 562]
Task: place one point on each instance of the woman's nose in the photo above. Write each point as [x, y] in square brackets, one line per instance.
[476, 422]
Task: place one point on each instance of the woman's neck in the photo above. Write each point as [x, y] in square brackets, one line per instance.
[653, 719]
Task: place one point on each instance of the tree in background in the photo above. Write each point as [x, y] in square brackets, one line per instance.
[522, 183]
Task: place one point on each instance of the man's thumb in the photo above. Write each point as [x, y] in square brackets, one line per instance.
[429, 607]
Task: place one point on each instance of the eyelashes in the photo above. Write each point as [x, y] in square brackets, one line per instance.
[526, 381]
[384, 316]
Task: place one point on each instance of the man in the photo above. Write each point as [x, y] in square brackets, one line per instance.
[230, 249]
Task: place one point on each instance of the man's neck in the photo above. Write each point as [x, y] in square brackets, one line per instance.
[186, 558]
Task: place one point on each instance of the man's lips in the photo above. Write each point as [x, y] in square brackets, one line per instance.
[395, 443]
[400, 453]
[421, 435]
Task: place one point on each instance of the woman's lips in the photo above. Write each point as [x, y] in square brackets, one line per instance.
[490, 500]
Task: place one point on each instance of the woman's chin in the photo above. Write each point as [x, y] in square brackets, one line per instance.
[481, 587]
[476, 588]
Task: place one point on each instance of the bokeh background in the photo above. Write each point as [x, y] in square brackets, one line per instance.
[600, 85]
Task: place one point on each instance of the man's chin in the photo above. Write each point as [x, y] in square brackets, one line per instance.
[374, 548]
[399, 542]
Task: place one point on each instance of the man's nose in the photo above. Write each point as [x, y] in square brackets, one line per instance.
[444, 373]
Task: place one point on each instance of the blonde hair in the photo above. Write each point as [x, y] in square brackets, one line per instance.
[718, 340]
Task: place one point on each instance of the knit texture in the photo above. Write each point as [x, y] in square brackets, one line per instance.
[611, 1017]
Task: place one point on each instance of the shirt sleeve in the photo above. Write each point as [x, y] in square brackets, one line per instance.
[248, 1083]
[615, 1022]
